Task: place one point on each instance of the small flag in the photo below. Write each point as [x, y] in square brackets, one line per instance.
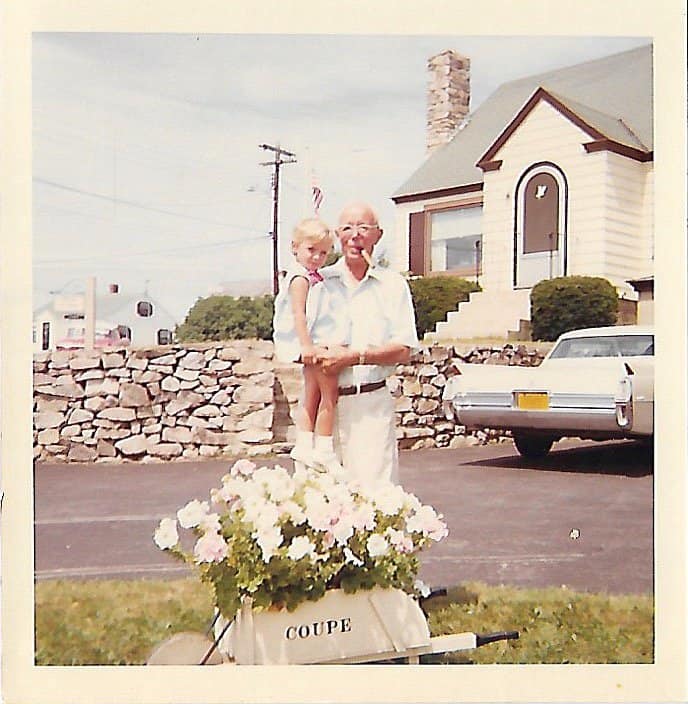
[317, 198]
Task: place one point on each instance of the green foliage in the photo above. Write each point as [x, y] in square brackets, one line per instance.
[104, 622]
[219, 318]
[435, 296]
[556, 626]
[570, 303]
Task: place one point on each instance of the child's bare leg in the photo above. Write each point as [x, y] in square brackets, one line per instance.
[328, 387]
[324, 425]
[306, 417]
[308, 410]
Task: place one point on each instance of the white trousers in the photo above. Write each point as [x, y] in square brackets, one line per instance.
[365, 436]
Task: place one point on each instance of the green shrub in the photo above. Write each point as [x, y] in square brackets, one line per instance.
[227, 318]
[570, 303]
[435, 296]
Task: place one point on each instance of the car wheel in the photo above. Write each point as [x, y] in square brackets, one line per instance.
[532, 445]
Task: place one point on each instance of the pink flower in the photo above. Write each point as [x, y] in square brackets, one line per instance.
[427, 522]
[211, 547]
[400, 540]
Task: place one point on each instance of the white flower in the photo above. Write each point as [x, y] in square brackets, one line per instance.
[399, 540]
[192, 514]
[210, 547]
[166, 535]
[300, 547]
[268, 541]
[377, 545]
[292, 511]
[427, 522]
[242, 467]
[421, 587]
[389, 499]
[317, 510]
[210, 523]
[363, 517]
[342, 530]
[351, 558]
[261, 513]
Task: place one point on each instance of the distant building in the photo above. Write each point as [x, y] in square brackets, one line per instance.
[551, 176]
[121, 319]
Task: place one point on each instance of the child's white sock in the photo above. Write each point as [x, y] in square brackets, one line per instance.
[324, 454]
[303, 447]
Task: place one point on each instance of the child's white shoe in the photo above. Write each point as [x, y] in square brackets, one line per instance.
[328, 462]
[304, 455]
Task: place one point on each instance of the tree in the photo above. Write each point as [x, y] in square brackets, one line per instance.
[227, 318]
[571, 303]
[435, 296]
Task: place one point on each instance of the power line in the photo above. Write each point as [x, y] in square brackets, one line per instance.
[171, 250]
[142, 206]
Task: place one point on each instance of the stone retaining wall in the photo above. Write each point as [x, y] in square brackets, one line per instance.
[215, 399]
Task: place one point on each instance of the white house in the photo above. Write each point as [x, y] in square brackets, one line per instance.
[552, 175]
[121, 319]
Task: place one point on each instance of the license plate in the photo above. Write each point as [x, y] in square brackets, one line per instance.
[530, 401]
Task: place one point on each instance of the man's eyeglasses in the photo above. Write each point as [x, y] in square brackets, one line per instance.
[361, 229]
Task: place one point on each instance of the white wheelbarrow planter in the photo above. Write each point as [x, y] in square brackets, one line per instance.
[370, 625]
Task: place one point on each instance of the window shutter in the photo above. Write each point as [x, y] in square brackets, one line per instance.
[417, 244]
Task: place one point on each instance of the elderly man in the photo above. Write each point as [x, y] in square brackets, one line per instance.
[383, 333]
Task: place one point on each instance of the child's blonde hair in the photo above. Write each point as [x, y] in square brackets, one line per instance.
[312, 230]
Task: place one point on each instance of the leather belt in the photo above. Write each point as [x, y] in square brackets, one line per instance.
[362, 389]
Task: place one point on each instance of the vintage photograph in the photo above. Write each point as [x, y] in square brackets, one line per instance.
[343, 354]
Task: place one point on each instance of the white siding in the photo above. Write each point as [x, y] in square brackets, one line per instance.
[609, 202]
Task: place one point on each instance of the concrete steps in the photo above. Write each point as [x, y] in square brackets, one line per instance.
[486, 314]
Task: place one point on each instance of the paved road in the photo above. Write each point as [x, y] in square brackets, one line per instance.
[510, 520]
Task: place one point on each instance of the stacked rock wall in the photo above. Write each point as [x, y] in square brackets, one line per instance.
[185, 402]
[171, 402]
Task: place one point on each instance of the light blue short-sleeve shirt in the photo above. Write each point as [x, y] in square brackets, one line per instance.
[381, 312]
[325, 322]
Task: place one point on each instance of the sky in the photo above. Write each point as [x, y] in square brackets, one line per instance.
[147, 169]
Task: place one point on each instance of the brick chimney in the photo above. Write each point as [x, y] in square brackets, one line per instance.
[449, 93]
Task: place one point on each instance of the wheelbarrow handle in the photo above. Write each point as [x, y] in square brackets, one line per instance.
[484, 638]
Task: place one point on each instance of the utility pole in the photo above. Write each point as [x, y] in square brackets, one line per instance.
[279, 152]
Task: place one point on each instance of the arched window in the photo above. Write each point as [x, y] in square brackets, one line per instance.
[144, 309]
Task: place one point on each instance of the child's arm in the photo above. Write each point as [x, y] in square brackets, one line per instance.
[298, 291]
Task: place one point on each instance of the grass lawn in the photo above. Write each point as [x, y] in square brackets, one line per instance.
[120, 622]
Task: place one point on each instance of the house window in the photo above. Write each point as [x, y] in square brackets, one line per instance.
[144, 309]
[45, 336]
[124, 332]
[164, 337]
[34, 335]
[446, 239]
[453, 237]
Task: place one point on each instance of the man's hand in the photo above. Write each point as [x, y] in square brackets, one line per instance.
[336, 359]
[310, 354]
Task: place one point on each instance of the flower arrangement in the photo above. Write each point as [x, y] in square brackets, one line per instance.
[282, 538]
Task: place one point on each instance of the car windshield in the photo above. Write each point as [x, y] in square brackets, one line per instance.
[605, 346]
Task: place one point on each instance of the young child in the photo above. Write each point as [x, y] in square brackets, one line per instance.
[304, 324]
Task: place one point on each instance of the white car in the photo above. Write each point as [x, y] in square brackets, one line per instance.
[595, 383]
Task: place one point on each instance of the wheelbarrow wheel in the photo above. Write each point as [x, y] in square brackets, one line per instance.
[185, 648]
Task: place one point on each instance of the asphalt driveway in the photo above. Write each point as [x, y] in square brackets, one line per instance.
[582, 517]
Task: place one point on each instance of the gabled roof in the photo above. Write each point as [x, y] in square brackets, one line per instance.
[611, 98]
